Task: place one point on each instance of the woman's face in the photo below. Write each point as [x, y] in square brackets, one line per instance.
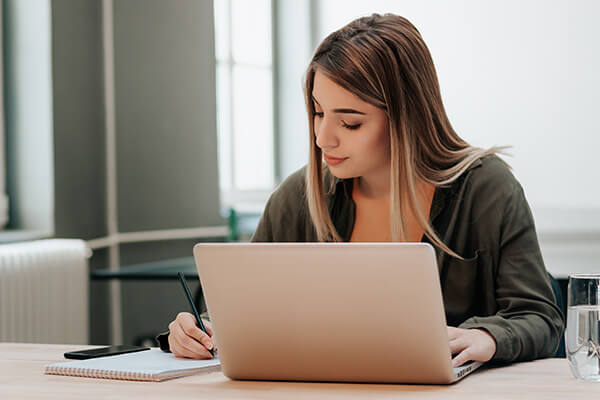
[352, 134]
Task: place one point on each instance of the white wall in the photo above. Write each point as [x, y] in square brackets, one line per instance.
[520, 73]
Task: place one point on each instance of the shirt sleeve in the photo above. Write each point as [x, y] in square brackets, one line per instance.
[285, 217]
[163, 341]
[264, 231]
[528, 324]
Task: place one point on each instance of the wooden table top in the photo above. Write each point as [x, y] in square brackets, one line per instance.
[22, 376]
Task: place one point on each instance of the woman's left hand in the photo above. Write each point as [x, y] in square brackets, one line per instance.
[470, 344]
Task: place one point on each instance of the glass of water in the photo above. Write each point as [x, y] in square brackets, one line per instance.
[583, 326]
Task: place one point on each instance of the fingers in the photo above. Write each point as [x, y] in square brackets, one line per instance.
[462, 358]
[188, 325]
[184, 346]
[470, 345]
[457, 345]
[460, 345]
[186, 339]
[453, 332]
[208, 327]
[187, 322]
[456, 340]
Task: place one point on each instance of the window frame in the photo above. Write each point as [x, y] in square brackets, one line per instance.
[250, 200]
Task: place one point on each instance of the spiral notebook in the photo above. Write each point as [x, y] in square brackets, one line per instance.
[151, 365]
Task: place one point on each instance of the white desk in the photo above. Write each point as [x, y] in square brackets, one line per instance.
[22, 376]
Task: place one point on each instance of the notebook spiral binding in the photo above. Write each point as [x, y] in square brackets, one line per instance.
[95, 373]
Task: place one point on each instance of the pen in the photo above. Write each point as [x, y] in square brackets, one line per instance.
[191, 301]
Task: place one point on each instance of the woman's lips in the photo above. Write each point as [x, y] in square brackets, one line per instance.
[333, 160]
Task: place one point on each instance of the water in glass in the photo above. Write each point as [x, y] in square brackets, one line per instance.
[583, 341]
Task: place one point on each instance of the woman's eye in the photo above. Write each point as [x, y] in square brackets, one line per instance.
[351, 127]
[318, 114]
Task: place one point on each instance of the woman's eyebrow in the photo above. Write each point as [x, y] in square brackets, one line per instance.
[342, 110]
[347, 111]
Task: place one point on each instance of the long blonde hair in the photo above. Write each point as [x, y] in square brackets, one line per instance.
[384, 61]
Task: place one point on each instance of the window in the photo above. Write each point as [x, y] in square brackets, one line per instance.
[243, 44]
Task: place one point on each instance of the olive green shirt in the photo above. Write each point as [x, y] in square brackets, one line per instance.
[502, 285]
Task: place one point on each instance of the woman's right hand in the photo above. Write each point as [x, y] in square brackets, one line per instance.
[186, 339]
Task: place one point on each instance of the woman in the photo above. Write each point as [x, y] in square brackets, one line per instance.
[397, 171]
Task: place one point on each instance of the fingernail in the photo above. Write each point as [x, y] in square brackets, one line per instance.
[210, 345]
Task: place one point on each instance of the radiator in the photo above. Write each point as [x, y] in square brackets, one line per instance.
[44, 291]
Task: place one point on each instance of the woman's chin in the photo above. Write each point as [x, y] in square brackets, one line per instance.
[340, 172]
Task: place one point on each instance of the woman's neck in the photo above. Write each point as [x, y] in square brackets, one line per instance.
[376, 186]
[379, 189]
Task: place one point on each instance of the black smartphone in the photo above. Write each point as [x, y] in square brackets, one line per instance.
[103, 352]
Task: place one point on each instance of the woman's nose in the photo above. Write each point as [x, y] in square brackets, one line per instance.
[326, 137]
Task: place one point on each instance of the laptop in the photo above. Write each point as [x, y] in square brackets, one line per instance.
[331, 312]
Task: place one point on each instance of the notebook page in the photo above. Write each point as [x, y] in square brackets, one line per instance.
[151, 362]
